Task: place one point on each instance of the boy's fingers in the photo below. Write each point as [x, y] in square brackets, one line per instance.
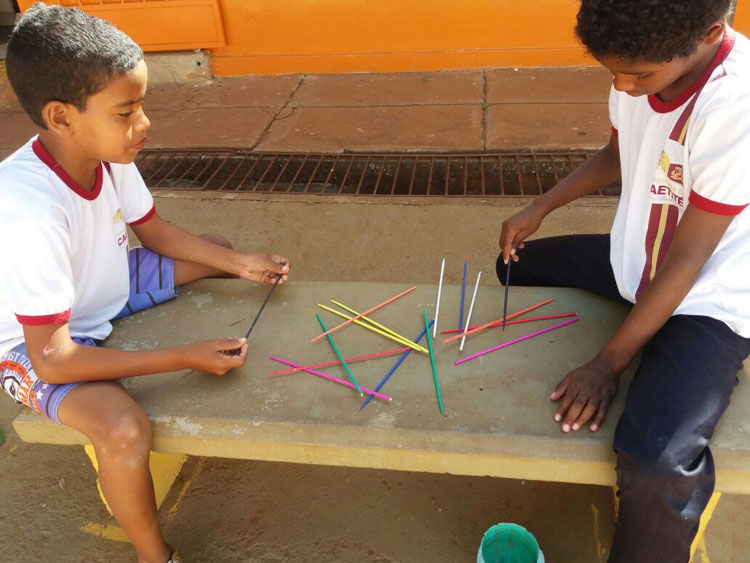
[599, 417]
[560, 390]
[588, 411]
[562, 408]
[573, 412]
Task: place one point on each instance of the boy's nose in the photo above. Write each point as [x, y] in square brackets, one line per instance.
[623, 83]
[145, 123]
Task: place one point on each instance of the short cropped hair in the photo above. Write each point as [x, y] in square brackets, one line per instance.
[67, 55]
[647, 30]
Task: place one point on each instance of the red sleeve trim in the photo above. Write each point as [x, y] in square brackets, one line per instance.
[711, 206]
[614, 132]
[146, 217]
[56, 319]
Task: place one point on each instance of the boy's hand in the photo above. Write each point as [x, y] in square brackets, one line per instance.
[263, 268]
[516, 228]
[217, 356]
[585, 394]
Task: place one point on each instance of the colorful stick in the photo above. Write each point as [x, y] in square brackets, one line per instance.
[329, 377]
[521, 339]
[372, 322]
[349, 360]
[463, 293]
[471, 308]
[376, 307]
[339, 356]
[432, 361]
[498, 321]
[437, 304]
[395, 366]
[373, 329]
[516, 322]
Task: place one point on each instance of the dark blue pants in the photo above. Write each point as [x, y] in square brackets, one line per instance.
[665, 471]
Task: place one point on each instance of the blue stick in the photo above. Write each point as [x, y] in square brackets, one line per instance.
[463, 294]
[395, 366]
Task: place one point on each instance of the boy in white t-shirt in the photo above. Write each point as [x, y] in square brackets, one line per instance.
[679, 250]
[66, 198]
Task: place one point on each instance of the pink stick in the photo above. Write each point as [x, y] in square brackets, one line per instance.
[360, 315]
[348, 360]
[517, 321]
[505, 344]
[331, 378]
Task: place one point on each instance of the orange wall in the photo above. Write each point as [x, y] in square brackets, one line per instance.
[291, 36]
[742, 17]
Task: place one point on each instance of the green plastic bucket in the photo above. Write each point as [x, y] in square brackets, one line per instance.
[509, 543]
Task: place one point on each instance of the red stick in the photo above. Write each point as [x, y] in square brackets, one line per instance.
[493, 323]
[518, 321]
[336, 362]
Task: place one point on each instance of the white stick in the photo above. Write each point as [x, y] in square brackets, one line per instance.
[468, 317]
[437, 305]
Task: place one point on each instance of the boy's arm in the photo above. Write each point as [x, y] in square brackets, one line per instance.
[597, 172]
[57, 359]
[586, 392]
[173, 241]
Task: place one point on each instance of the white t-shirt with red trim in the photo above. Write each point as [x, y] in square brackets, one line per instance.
[694, 150]
[64, 249]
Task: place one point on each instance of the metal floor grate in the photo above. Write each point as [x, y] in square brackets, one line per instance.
[384, 174]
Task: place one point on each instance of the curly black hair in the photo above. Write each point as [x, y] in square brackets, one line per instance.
[64, 54]
[647, 30]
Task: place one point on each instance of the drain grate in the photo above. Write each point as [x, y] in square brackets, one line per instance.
[384, 174]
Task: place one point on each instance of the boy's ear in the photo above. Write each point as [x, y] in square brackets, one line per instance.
[715, 33]
[57, 117]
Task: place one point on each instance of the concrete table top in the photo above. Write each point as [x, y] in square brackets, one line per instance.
[498, 418]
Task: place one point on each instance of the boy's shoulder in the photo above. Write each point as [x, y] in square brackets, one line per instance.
[25, 186]
[729, 84]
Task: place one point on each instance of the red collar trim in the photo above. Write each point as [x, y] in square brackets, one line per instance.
[47, 159]
[725, 47]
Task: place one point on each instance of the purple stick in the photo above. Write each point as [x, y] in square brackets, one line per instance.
[330, 378]
[522, 338]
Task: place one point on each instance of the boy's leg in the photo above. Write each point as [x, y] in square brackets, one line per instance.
[665, 471]
[568, 261]
[120, 432]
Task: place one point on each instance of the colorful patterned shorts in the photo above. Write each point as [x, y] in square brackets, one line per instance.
[151, 283]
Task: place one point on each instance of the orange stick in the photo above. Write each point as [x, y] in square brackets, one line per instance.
[493, 323]
[517, 321]
[336, 362]
[357, 317]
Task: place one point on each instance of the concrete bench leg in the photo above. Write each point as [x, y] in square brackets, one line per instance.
[698, 546]
[165, 467]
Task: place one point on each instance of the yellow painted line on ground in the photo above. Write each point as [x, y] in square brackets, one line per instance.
[114, 533]
[601, 551]
[186, 486]
[698, 548]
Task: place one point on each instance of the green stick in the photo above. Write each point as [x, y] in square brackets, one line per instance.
[340, 357]
[432, 361]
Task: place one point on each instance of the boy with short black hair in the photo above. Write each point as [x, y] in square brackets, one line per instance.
[679, 250]
[66, 198]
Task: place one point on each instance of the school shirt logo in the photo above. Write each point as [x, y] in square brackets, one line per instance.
[120, 233]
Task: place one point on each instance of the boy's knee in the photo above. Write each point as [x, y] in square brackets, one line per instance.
[217, 239]
[124, 433]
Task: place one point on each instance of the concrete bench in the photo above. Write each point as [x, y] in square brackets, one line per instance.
[498, 419]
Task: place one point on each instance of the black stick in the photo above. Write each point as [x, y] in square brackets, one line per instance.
[507, 285]
[262, 306]
[236, 351]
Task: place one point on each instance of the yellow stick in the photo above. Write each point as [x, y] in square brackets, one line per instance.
[377, 324]
[373, 329]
